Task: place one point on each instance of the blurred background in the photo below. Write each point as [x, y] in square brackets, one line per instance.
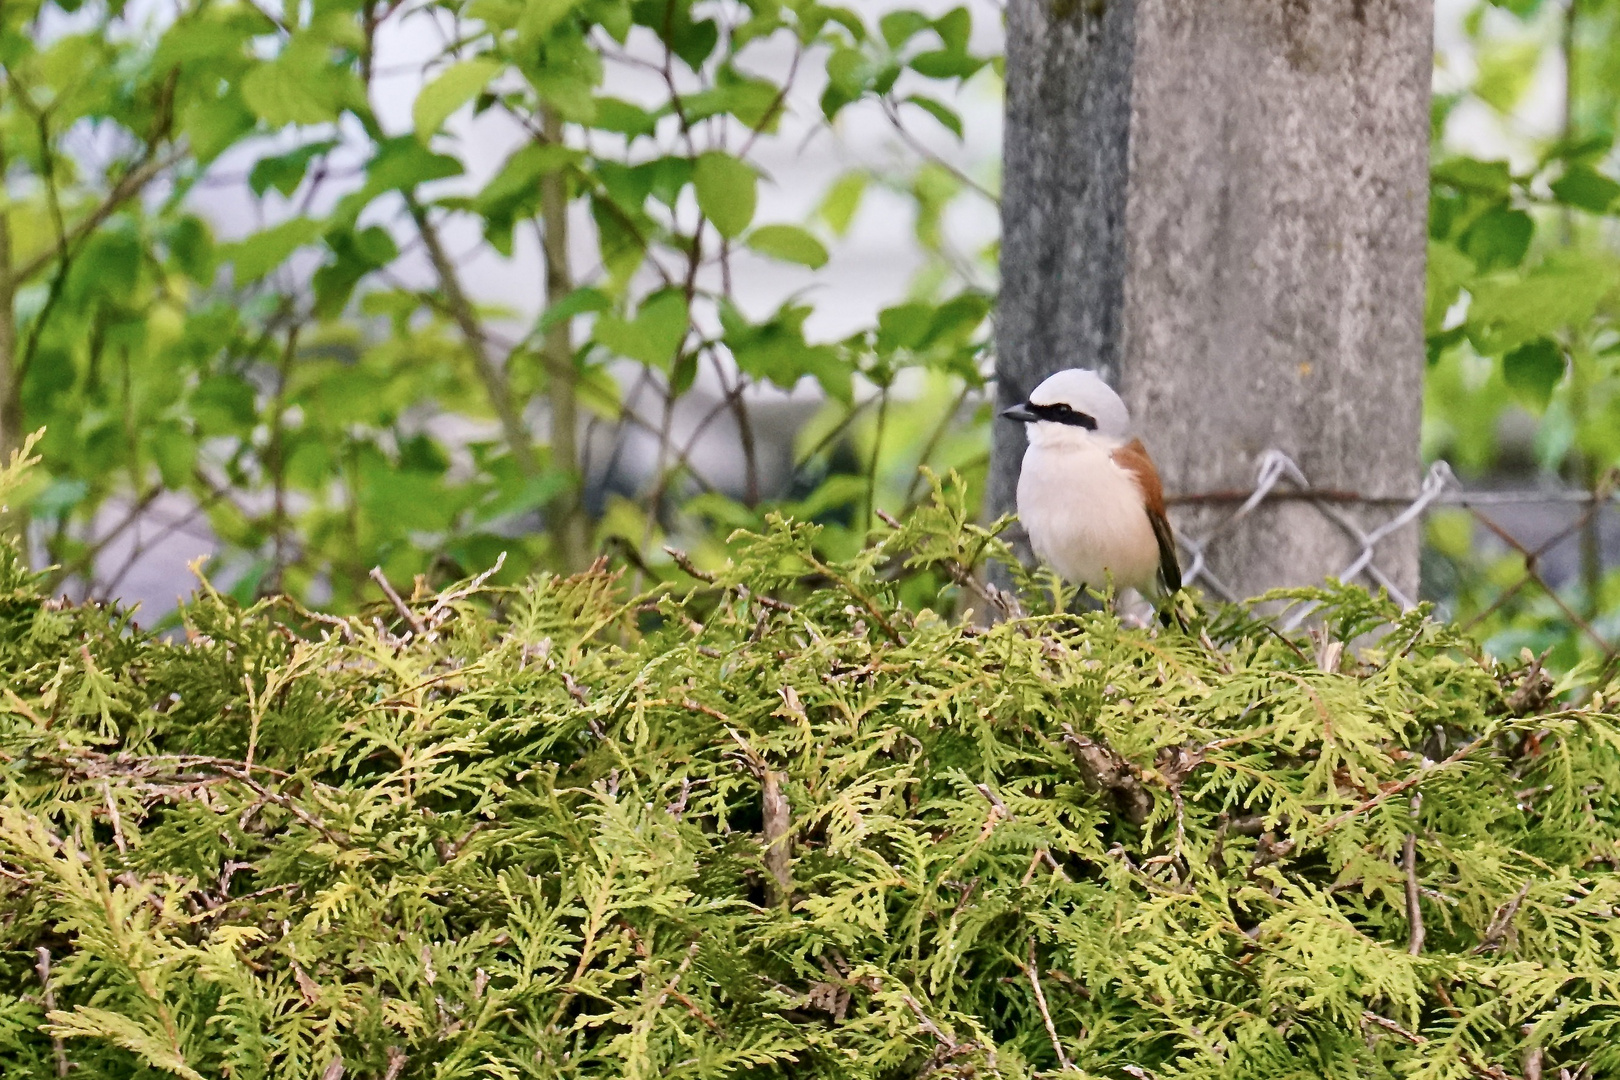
[307, 289]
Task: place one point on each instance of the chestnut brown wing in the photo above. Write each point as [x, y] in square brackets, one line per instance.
[1133, 458]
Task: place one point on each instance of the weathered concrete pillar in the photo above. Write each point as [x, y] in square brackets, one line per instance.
[1222, 205]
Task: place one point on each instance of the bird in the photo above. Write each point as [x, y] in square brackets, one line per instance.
[1088, 493]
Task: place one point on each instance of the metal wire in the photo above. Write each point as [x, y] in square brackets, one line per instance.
[1279, 478]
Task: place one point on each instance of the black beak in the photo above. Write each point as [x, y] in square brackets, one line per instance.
[1021, 413]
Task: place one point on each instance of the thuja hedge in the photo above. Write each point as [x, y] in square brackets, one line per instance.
[778, 824]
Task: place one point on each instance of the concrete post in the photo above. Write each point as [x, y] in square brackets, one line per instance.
[1222, 205]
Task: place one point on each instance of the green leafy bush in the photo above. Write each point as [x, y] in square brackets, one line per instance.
[269, 294]
[782, 825]
[1523, 315]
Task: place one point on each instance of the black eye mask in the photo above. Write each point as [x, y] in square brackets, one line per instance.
[1059, 413]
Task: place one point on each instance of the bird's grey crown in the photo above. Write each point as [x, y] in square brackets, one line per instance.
[1085, 392]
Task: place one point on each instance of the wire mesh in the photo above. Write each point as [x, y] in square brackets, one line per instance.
[1278, 477]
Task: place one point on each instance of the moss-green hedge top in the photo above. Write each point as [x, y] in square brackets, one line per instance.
[782, 826]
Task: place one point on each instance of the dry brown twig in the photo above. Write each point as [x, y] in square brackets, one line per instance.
[1397, 788]
[1370, 1017]
[400, 606]
[1046, 1014]
[1105, 768]
[1501, 924]
[1414, 911]
[778, 841]
[998, 810]
[42, 966]
[948, 1046]
[441, 609]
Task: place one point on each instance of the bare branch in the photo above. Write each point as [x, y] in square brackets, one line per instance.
[1403, 785]
[441, 607]
[490, 373]
[684, 561]
[129, 186]
[778, 841]
[1414, 910]
[1501, 925]
[1106, 769]
[42, 965]
[1046, 1014]
[400, 606]
[1370, 1017]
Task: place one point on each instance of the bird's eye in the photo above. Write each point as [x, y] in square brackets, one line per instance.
[1061, 409]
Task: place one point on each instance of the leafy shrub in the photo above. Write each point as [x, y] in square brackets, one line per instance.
[780, 825]
[243, 278]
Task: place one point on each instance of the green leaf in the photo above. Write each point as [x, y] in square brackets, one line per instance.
[148, 1041]
[262, 252]
[1480, 177]
[838, 490]
[756, 102]
[175, 453]
[1505, 70]
[540, 18]
[495, 14]
[111, 262]
[402, 163]
[1589, 148]
[578, 302]
[946, 64]
[726, 191]
[60, 496]
[938, 111]
[532, 493]
[776, 350]
[280, 93]
[223, 405]
[214, 125]
[849, 73]
[520, 175]
[1533, 370]
[957, 318]
[206, 36]
[1448, 270]
[354, 256]
[1524, 9]
[954, 28]
[654, 335]
[843, 200]
[1508, 310]
[904, 326]
[788, 243]
[285, 172]
[691, 40]
[623, 117]
[1585, 187]
[898, 27]
[455, 86]
[1498, 239]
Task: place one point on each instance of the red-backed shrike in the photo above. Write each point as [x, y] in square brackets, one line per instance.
[1088, 493]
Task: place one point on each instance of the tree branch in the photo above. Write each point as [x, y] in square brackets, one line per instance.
[491, 374]
[1414, 911]
[566, 513]
[1107, 770]
[131, 185]
[1046, 1014]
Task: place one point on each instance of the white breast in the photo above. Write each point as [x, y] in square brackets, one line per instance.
[1085, 517]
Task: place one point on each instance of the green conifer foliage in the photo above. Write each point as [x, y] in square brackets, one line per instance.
[780, 824]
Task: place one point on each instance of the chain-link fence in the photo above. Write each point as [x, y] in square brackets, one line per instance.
[1530, 564]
